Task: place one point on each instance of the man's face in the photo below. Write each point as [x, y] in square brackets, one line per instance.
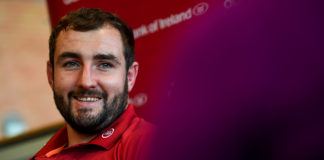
[90, 82]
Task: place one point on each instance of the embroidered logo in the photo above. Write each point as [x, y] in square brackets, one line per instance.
[108, 133]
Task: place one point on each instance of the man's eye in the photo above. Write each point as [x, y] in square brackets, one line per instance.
[70, 64]
[104, 65]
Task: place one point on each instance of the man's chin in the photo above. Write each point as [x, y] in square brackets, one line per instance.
[86, 128]
[86, 122]
[82, 113]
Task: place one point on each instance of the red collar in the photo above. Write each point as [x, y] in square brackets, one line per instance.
[106, 139]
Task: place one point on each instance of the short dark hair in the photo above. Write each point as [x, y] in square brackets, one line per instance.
[86, 19]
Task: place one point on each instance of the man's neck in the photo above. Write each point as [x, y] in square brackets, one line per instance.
[75, 137]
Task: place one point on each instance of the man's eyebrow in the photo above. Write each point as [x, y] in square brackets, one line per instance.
[68, 55]
[106, 57]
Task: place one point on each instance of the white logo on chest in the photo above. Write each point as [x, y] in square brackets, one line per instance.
[108, 133]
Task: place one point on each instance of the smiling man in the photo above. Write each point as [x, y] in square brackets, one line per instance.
[91, 69]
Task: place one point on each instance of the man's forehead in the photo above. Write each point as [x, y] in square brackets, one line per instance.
[106, 39]
[105, 32]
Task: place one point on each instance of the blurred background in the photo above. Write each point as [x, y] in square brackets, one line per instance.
[25, 97]
[27, 111]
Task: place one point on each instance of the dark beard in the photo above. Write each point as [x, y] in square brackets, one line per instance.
[89, 124]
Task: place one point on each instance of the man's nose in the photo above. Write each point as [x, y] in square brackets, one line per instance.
[87, 78]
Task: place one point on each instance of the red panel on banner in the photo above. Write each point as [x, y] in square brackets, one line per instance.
[155, 24]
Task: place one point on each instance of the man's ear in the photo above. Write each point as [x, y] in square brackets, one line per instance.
[50, 74]
[131, 75]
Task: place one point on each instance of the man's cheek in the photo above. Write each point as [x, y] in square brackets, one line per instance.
[112, 85]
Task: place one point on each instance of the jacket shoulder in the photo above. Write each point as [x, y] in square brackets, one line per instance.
[137, 140]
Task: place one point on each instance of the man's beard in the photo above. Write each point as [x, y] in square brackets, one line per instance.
[83, 122]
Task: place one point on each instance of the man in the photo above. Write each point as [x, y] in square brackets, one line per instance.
[91, 70]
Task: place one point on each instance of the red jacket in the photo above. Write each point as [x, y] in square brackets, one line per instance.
[126, 138]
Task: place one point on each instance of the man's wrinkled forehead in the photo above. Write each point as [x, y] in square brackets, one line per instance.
[70, 34]
[103, 40]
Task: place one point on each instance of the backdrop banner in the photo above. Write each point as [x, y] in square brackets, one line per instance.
[155, 24]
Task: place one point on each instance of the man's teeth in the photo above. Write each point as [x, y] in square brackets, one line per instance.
[87, 99]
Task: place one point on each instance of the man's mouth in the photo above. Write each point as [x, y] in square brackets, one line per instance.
[86, 98]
